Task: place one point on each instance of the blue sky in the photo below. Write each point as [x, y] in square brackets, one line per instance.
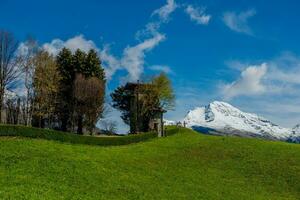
[243, 52]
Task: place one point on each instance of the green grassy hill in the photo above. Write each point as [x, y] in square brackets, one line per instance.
[186, 165]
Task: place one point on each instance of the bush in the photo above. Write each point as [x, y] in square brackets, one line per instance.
[22, 131]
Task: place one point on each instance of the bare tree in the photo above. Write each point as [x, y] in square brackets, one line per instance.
[28, 55]
[109, 126]
[12, 110]
[9, 64]
[88, 95]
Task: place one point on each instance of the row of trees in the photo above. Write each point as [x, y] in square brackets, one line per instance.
[64, 92]
[67, 91]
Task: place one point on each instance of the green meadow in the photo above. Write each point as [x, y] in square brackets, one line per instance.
[184, 165]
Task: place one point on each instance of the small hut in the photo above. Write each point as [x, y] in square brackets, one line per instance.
[157, 122]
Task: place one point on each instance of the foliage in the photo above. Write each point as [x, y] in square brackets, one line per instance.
[186, 165]
[89, 95]
[163, 88]
[73, 89]
[66, 70]
[121, 99]
[46, 85]
[139, 103]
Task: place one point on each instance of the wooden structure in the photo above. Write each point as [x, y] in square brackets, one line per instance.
[157, 122]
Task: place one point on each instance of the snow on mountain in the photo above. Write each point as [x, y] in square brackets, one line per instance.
[221, 118]
[169, 122]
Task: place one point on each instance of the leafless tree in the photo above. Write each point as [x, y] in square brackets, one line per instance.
[109, 126]
[88, 94]
[9, 64]
[28, 54]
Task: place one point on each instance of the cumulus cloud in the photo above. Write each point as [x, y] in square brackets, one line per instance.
[249, 83]
[239, 21]
[280, 76]
[77, 42]
[198, 15]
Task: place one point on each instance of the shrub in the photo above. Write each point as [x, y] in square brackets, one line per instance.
[22, 131]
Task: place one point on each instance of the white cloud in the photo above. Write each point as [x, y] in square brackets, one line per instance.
[285, 68]
[162, 68]
[132, 60]
[54, 46]
[165, 11]
[239, 21]
[198, 15]
[110, 63]
[250, 82]
[77, 42]
[133, 57]
[279, 77]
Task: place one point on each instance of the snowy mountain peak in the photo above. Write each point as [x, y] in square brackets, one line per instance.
[224, 119]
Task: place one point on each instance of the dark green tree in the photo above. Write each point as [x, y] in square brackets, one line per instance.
[67, 72]
[139, 103]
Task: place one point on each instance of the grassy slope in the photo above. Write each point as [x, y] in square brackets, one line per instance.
[184, 166]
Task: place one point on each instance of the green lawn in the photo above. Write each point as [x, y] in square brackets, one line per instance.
[186, 165]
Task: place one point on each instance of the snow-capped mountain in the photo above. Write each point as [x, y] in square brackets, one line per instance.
[169, 122]
[221, 118]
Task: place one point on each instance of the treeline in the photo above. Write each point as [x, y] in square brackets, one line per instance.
[64, 92]
[67, 91]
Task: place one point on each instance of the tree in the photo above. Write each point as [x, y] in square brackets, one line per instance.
[67, 73]
[121, 100]
[139, 103]
[89, 95]
[9, 64]
[28, 54]
[46, 86]
[75, 70]
[164, 91]
[12, 110]
[109, 127]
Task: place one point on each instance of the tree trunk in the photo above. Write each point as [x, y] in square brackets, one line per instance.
[1, 103]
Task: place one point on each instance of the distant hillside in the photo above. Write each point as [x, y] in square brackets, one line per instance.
[186, 165]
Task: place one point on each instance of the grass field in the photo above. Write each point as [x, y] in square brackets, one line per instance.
[186, 165]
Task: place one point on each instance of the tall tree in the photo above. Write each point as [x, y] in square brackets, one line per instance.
[9, 64]
[70, 66]
[28, 55]
[46, 86]
[67, 72]
[89, 66]
[88, 93]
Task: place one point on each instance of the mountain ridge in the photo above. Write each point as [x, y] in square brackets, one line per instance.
[221, 118]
